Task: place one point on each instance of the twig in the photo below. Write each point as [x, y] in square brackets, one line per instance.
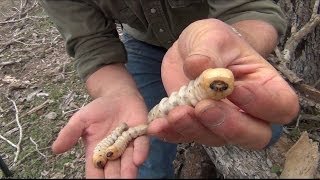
[290, 75]
[26, 44]
[310, 117]
[70, 111]
[8, 141]
[298, 121]
[27, 10]
[67, 100]
[37, 108]
[27, 155]
[22, 7]
[308, 91]
[284, 57]
[9, 62]
[25, 18]
[17, 146]
[296, 38]
[315, 8]
[37, 148]
[285, 130]
[5, 45]
[20, 130]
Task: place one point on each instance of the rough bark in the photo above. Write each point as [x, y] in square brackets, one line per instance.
[301, 68]
[233, 162]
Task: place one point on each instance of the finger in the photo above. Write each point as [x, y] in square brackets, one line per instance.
[91, 171]
[157, 125]
[69, 135]
[232, 125]
[141, 149]
[112, 169]
[184, 122]
[161, 128]
[128, 168]
[273, 101]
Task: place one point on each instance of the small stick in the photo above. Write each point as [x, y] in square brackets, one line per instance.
[296, 38]
[5, 63]
[37, 149]
[213, 84]
[17, 146]
[8, 141]
[37, 108]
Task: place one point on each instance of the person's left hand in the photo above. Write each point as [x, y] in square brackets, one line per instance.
[261, 96]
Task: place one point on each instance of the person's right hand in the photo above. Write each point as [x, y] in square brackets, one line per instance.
[95, 121]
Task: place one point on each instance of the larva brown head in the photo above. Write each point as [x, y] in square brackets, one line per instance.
[99, 160]
[113, 153]
[218, 82]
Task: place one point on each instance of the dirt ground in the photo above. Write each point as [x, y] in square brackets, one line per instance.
[40, 88]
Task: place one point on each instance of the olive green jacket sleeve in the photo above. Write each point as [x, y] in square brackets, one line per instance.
[232, 11]
[90, 37]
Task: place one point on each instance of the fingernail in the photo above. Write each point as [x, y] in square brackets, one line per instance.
[212, 117]
[242, 96]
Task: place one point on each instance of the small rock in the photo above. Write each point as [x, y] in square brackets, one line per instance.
[44, 173]
[31, 95]
[269, 163]
[42, 94]
[58, 175]
[51, 116]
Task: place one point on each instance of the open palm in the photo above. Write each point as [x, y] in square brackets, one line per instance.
[94, 122]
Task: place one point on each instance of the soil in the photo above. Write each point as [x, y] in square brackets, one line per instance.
[38, 77]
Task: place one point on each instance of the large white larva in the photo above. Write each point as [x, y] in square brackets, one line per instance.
[100, 153]
[214, 84]
[117, 149]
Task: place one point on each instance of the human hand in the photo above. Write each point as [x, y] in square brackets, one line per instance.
[260, 97]
[94, 122]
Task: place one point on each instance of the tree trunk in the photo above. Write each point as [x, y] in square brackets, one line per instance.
[297, 58]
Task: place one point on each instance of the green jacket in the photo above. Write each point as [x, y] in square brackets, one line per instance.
[89, 30]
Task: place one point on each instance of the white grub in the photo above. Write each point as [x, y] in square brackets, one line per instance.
[212, 83]
[99, 153]
[117, 149]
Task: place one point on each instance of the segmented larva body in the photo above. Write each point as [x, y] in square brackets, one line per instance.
[100, 153]
[214, 84]
[117, 149]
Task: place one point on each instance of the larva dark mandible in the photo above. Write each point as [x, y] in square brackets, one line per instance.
[214, 84]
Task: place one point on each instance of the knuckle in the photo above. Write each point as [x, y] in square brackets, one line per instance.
[221, 37]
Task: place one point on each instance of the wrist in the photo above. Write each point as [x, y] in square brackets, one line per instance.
[109, 80]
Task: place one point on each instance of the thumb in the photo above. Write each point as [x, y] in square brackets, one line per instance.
[69, 135]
